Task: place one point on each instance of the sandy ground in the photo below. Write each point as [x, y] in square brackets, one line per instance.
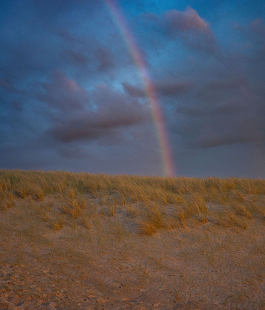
[111, 266]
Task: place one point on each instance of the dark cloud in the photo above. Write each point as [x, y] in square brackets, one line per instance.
[55, 43]
[164, 88]
[225, 84]
[76, 119]
[258, 26]
[213, 140]
[89, 54]
[8, 147]
[81, 129]
[172, 88]
[5, 84]
[73, 152]
[233, 120]
[77, 58]
[134, 91]
[104, 58]
[62, 94]
[11, 96]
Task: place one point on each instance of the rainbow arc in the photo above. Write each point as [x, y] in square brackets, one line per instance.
[150, 90]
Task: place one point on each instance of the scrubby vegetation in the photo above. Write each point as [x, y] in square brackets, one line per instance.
[115, 233]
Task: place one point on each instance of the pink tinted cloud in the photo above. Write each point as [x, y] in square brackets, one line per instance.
[188, 26]
[182, 21]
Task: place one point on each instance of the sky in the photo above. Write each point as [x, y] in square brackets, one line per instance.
[144, 87]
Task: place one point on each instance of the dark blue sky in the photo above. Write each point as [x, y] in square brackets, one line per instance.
[72, 98]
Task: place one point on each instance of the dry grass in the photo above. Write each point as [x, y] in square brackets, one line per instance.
[79, 241]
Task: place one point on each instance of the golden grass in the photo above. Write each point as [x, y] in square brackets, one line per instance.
[72, 194]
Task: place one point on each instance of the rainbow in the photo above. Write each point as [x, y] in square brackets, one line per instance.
[157, 114]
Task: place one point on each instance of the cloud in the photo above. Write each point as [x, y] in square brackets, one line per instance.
[75, 57]
[8, 147]
[194, 31]
[226, 84]
[187, 26]
[134, 91]
[214, 140]
[163, 88]
[104, 58]
[87, 53]
[62, 94]
[58, 35]
[76, 119]
[254, 32]
[63, 104]
[47, 106]
[80, 129]
[185, 21]
[73, 152]
[233, 120]
[258, 26]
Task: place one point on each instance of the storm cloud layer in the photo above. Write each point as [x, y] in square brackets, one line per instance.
[73, 98]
